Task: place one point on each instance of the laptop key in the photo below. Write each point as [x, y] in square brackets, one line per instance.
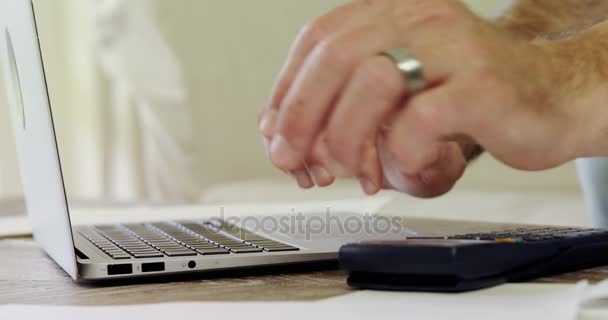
[180, 253]
[168, 248]
[231, 245]
[212, 251]
[148, 255]
[112, 251]
[136, 247]
[164, 241]
[245, 250]
[206, 248]
[240, 245]
[202, 247]
[279, 249]
[172, 249]
[142, 250]
[195, 243]
[266, 242]
[276, 246]
[110, 247]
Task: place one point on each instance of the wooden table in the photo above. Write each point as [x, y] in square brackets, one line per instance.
[28, 276]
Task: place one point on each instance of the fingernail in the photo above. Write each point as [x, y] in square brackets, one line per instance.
[337, 169]
[368, 186]
[320, 175]
[303, 179]
[282, 153]
[268, 122]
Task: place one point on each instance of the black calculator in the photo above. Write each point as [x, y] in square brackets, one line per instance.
[474, 261]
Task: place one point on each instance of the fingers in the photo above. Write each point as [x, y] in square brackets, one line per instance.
[300, 175]
[342, 18]
[435, 180]
[310, 99]
[268, 124]
[422, 126]
[419, 155]
[321, 80]
[440, 177]
[303, 178]
[370, 176]
[335, 81]
[373, 92]
[317, 163]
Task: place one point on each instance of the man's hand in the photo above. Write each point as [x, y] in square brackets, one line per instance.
[341, 106]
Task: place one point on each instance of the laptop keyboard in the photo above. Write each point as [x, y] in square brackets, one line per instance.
[171, 239]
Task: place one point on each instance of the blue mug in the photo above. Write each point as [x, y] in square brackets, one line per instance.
[593, 176]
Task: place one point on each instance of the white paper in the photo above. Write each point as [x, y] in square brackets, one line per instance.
[512, 301]
[508, 302]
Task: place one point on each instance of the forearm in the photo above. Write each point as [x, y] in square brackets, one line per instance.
[576, 34]
[581, 85]
[549, 20]
[552, 19]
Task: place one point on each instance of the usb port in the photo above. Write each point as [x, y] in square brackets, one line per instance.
[153, 267]
[116, 269]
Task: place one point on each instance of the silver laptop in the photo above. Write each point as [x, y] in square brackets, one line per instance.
[126, 250]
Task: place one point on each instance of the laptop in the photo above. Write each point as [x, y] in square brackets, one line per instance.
[119, 251]
[94, 253]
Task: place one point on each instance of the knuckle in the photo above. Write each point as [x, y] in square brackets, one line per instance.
[425, 113]
[317, 155]
[292, 127]
[281, 86]
[381, 79]
[332, 53]
[316, 30]
[340, 143]
[397, 151]
[424, 120]
[442, 12]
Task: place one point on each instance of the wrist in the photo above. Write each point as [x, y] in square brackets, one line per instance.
[521, 31]
[525, 21]
[570, 69]
[576, 74]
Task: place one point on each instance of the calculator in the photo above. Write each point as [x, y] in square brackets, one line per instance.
[467, 262]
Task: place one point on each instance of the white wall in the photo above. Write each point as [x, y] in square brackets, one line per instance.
[231, 51]
[486, 7]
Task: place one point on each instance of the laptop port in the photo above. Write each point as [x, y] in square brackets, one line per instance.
[153, 267]
[117, 269]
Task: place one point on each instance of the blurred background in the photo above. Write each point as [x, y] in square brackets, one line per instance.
[157, 101]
